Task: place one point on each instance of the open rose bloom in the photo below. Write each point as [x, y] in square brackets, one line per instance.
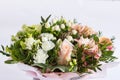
[60, 50]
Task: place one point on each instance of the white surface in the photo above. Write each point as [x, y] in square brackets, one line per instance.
[101, 15]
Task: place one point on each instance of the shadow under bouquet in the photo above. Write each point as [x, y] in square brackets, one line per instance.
[59, 49]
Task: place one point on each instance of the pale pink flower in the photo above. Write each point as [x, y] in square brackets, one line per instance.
[110, 48]
[84, 30]
[65, 52]
[91, 47]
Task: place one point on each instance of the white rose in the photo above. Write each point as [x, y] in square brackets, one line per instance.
[47, 25]
[47, 45]
[29, 42]
[57, 28]
[40, 56]
[62, 26]
[44, 39]
[69, 38]
[47, 37]
[74, 32]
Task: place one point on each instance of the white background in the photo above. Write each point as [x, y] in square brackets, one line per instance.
[101, 15]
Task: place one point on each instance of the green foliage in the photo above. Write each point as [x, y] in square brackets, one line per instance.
[107, 55]
[95, 37]
[10, 62]
[60, 68]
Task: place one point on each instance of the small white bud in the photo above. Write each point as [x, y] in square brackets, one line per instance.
[69, 38]
[53, 28]
[62, 18]
[59, 41]
[74, 32]
[69, 23]
[57, 28]
[47, 25]
[62, 26]
[54, 20]
[54, 38]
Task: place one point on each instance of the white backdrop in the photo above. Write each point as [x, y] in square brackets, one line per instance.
[101, 15]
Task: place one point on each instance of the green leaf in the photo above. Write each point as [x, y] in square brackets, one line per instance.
[4, 53]
[48, 18]
[99, 33]
[113, 38]
[42, 19]
[2, 47]
[22, 45]
[95, 37]
[99, 68]
[41, 65]
[108, 53]
[61, 68]
[10, 62]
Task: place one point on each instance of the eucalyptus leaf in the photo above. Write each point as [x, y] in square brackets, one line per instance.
[61, 68]
[10, 62]
[41, 65]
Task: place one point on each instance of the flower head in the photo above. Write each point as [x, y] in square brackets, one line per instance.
[47, 45]
[40, 56]
[29, 42]
[47, 37]
[65, 52]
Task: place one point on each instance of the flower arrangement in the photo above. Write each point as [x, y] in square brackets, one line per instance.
[60, 46]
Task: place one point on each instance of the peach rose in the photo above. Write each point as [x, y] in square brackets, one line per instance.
[84, 30]
[105, 40]
[65, 52]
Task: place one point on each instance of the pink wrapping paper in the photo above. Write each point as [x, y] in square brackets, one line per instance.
[35, 73]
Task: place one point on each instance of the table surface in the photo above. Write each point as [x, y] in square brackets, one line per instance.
[100, 15]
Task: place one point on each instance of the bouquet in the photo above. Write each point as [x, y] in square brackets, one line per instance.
[59, 46]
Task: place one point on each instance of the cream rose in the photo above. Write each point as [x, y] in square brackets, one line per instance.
[65, 52]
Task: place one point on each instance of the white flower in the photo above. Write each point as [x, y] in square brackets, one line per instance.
[47, 25]
[44, 39]
[69, 38]
[54, 20]
[47, 45]
[53, 28]
[69, 23]
[62, 26]
[40, 56]
[57, 28]
[47, 37]
[62, 18]
[29, 42]
[74, 32]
